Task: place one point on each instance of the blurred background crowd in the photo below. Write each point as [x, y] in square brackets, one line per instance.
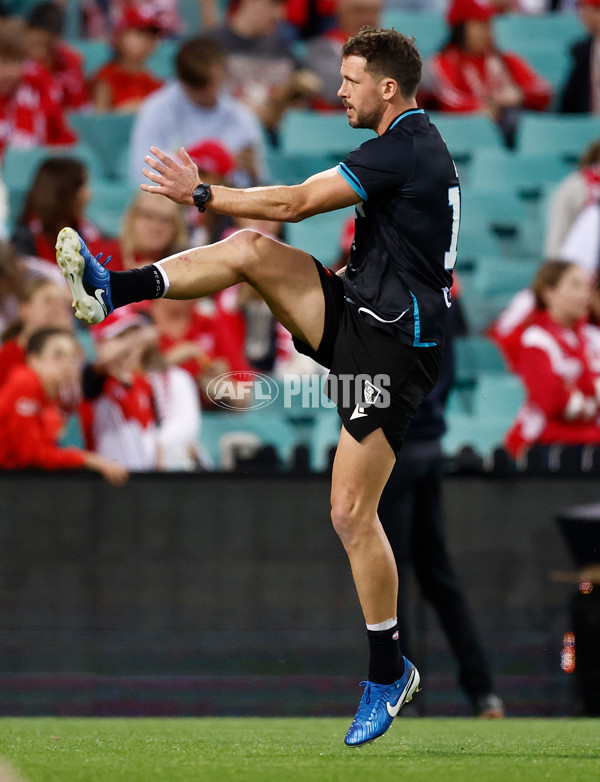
[249, 88]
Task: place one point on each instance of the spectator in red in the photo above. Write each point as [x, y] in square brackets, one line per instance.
[470, 74]
[581, 92]
[57, 197]
[216, 165]
[309, 18]
[44, 303]
[118, 415]
[559, 363]
[324, 52]
[46, 47]
[30, 420]
[124, 82]
[30, 108]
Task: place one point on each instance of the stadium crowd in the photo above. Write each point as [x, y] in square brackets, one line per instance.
[224, 87]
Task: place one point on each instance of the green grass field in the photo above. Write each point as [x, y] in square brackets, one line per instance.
[298, 750]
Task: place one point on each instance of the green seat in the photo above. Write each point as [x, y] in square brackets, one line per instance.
[548, 61]
[106, 134]
[95, 53]
[498, 397]
[295, 168]
[474, 355]
[108, 205]
[189, 11]
[494, 275]
[517, 172]
[162, 61]
[564, 135]
[21, 165]
[309, 132]
[466, 430]
[319, 235]
[518, 33]
[466, 133]
[325, 437]
[428, 29]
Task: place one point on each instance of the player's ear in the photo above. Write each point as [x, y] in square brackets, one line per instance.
[389, 88]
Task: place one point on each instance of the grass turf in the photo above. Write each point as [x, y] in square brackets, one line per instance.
[302, 750]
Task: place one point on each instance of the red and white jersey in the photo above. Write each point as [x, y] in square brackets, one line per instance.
[67, 72]
[560, 369]
[463, 82]
[120, 424]
[33, 114]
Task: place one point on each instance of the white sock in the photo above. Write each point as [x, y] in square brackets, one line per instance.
[387, 625]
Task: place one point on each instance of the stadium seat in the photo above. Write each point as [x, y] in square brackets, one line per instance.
[319, 235]
[518, 32]
[162, 61]
[475, 355]
[466, 133]
[95, 53]
[308, 132]
[189, 10]
[291, 169]
[494, 275]
[428, 29]
[108, 205]
[21, 165]
[466, 430]
[107, 135]
[564, 135]
[499, 170]
[497, 397]
[325, 438]
[548, 61]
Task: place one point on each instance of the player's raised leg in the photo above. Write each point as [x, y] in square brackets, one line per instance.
[286, 278]
[360, 472]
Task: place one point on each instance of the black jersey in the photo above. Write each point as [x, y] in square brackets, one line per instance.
[406, 229]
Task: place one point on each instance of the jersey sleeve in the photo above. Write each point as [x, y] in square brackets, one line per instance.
[368, 171]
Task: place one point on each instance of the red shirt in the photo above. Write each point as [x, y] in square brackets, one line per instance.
[463, 82]
[29, 426]
[67, 71]
[33, 114]
[560, 369]
[126, 86]
[11, 355]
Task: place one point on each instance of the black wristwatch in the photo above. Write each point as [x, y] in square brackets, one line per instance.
[202, 195]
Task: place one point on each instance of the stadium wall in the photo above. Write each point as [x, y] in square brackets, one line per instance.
[223, 594]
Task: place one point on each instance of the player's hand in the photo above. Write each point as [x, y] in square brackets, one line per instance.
[176, 179]
[113, 472]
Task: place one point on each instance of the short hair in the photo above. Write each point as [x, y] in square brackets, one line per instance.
[548, 275]
[12, 40]
[196, 58]
[388, 53]
[38, 340]
[46, 16]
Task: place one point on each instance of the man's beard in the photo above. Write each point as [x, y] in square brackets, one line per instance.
[367, 119]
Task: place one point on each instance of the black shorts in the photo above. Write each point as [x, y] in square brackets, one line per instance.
[375, 380]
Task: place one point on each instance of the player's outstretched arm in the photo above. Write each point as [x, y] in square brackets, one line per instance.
[177, 180]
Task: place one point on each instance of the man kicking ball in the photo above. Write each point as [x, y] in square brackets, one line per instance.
[380, 322]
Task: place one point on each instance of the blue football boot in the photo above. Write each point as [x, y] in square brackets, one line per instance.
[379, 705]
[88, 280]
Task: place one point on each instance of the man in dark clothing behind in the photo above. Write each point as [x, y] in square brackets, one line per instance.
[581, 91]
[411, 512]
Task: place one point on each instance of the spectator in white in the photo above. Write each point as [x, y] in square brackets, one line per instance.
[196, 107]
[177, 407]
[576, 191]
[262, 70]
[324, 52]
[118, 415]
[582, 243]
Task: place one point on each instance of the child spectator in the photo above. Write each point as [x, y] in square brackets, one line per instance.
[559, 363]
[123, 83]
[470, 74]
[30, 108]
[118, 415]
[45, 46]
[43, 303]
[262, 70]
[30, 420]
[581, 92]
[57, 197]
[196, 107]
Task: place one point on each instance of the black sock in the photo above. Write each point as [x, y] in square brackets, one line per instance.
[386, 663]
[136, 285]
